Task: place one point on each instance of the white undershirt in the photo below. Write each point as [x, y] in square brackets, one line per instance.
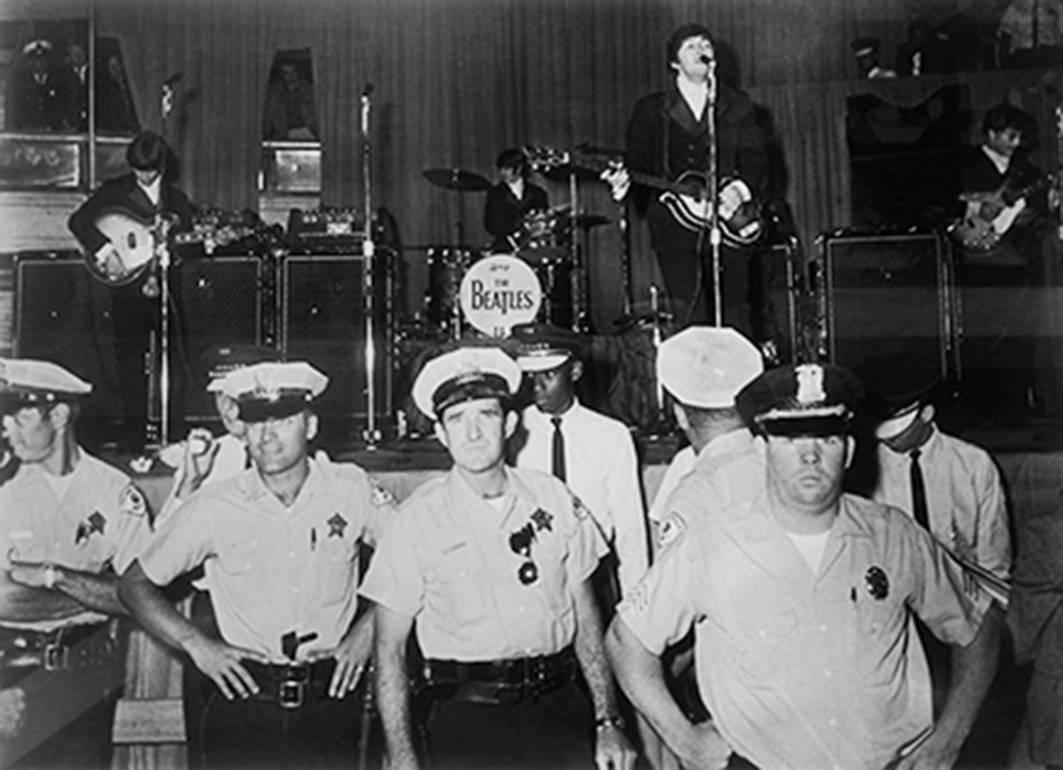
[810, 547]
[153, 190]
[1000, 161]
[517, 188]
[59, 484]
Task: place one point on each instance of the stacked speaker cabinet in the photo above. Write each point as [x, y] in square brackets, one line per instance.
[323, 320]
[220, 301]
[63, 315]
[888, 295]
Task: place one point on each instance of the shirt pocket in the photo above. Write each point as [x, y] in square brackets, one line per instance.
[336, 569]
[238, 556]
[461, 585]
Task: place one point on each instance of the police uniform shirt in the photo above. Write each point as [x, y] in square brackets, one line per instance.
[728, 470]
[808, 670]
[965, 498]
[100, 520]
[682, 463]
[449, 562]
[274, 569]
[602, 469]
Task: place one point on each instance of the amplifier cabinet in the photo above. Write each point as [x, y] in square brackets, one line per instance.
[63, 315]
[887, 295]
[323, 320]
[220, 301]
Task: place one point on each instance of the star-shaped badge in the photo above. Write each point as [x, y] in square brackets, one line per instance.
[94, 523]
[337, 525]
[542, 520]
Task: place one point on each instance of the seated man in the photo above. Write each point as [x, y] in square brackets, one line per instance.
[69, 525]
[279, 543]
[494, 565]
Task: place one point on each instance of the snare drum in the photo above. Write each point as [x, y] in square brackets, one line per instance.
[446, 267]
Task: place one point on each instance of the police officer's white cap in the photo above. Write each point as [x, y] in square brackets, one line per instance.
[463, 375]
[30, 381]
[273, 388]
[706, 366]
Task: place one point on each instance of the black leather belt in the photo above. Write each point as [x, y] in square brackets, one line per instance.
[499, 681]
[66, 648]
[291, 686]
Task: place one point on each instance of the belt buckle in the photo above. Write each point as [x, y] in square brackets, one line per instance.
[291, 692]
[54, 656]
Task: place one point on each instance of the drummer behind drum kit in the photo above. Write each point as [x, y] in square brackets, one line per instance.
[493, 292]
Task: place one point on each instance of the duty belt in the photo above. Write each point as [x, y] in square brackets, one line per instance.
[291, 686]
[499, 681]
[66, 648]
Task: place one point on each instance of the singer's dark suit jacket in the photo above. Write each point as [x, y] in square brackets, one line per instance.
[665, 139]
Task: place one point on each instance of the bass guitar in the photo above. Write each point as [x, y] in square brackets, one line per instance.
[686, 198]
[993, 215]
[137, 241]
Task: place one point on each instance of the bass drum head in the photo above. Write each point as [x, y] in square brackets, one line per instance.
[499, 292]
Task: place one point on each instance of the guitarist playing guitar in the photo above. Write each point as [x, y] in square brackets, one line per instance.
[669, 136]
[142, 196]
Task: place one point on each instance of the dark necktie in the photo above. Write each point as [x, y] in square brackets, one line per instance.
[558, 455]
[915, 475]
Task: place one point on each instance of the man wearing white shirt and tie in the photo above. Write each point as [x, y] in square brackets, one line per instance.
[593, 454]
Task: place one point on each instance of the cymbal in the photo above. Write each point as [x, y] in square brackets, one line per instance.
[457, 179]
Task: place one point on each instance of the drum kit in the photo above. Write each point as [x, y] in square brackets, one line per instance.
[475, 291]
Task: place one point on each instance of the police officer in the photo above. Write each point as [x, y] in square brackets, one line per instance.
[280, 546]
[69, 525]
[703, 368]
[592, 453]
[493, 565]
[802, 599]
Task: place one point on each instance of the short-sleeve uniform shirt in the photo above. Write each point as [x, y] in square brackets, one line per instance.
[454, 561]
[809, 670]
[273, 569]
[100, 521]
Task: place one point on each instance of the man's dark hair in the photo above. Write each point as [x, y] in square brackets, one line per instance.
[513, 158]
[1002, 117]
[147, 152]
[681, 34]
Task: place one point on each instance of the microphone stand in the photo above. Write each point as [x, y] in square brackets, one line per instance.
[712, 199]
[371, 435]
[162, 254]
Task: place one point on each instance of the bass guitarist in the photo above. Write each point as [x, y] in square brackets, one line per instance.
[668, 135]
[144, 198]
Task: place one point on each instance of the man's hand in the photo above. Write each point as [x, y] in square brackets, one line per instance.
[612, 751]
[352, 656]
[619, 181]
[733, 196]
[12, 708]
[111, 263]
[200, 451]
[708, 750]
[222, 663]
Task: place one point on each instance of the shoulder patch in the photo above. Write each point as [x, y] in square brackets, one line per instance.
[131, 501]
[578, 508]
[671, 528]
[380, 496]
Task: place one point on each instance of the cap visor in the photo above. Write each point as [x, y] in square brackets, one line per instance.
[832, 425]
[895, 426]
[260, 410]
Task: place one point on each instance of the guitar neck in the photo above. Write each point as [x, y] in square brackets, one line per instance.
[639, 177]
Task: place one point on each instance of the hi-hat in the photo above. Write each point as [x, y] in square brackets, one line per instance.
[457, 179]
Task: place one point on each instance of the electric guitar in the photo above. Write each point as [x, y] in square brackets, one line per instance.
[137, 241]
[685, 198]
[982, 231]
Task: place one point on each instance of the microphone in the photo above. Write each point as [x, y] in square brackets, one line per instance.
[708, 61]
[368, 90]
[173, 80]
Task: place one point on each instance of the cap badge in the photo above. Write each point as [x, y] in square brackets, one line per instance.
[810, 384]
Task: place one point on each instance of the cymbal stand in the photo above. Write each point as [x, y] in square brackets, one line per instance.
[371, 435]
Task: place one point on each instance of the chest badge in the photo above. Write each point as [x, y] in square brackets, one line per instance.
[542, 520]
[337, 525]
[94, 523]
[877, 583]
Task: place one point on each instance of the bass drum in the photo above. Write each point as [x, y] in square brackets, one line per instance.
[447, 266]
